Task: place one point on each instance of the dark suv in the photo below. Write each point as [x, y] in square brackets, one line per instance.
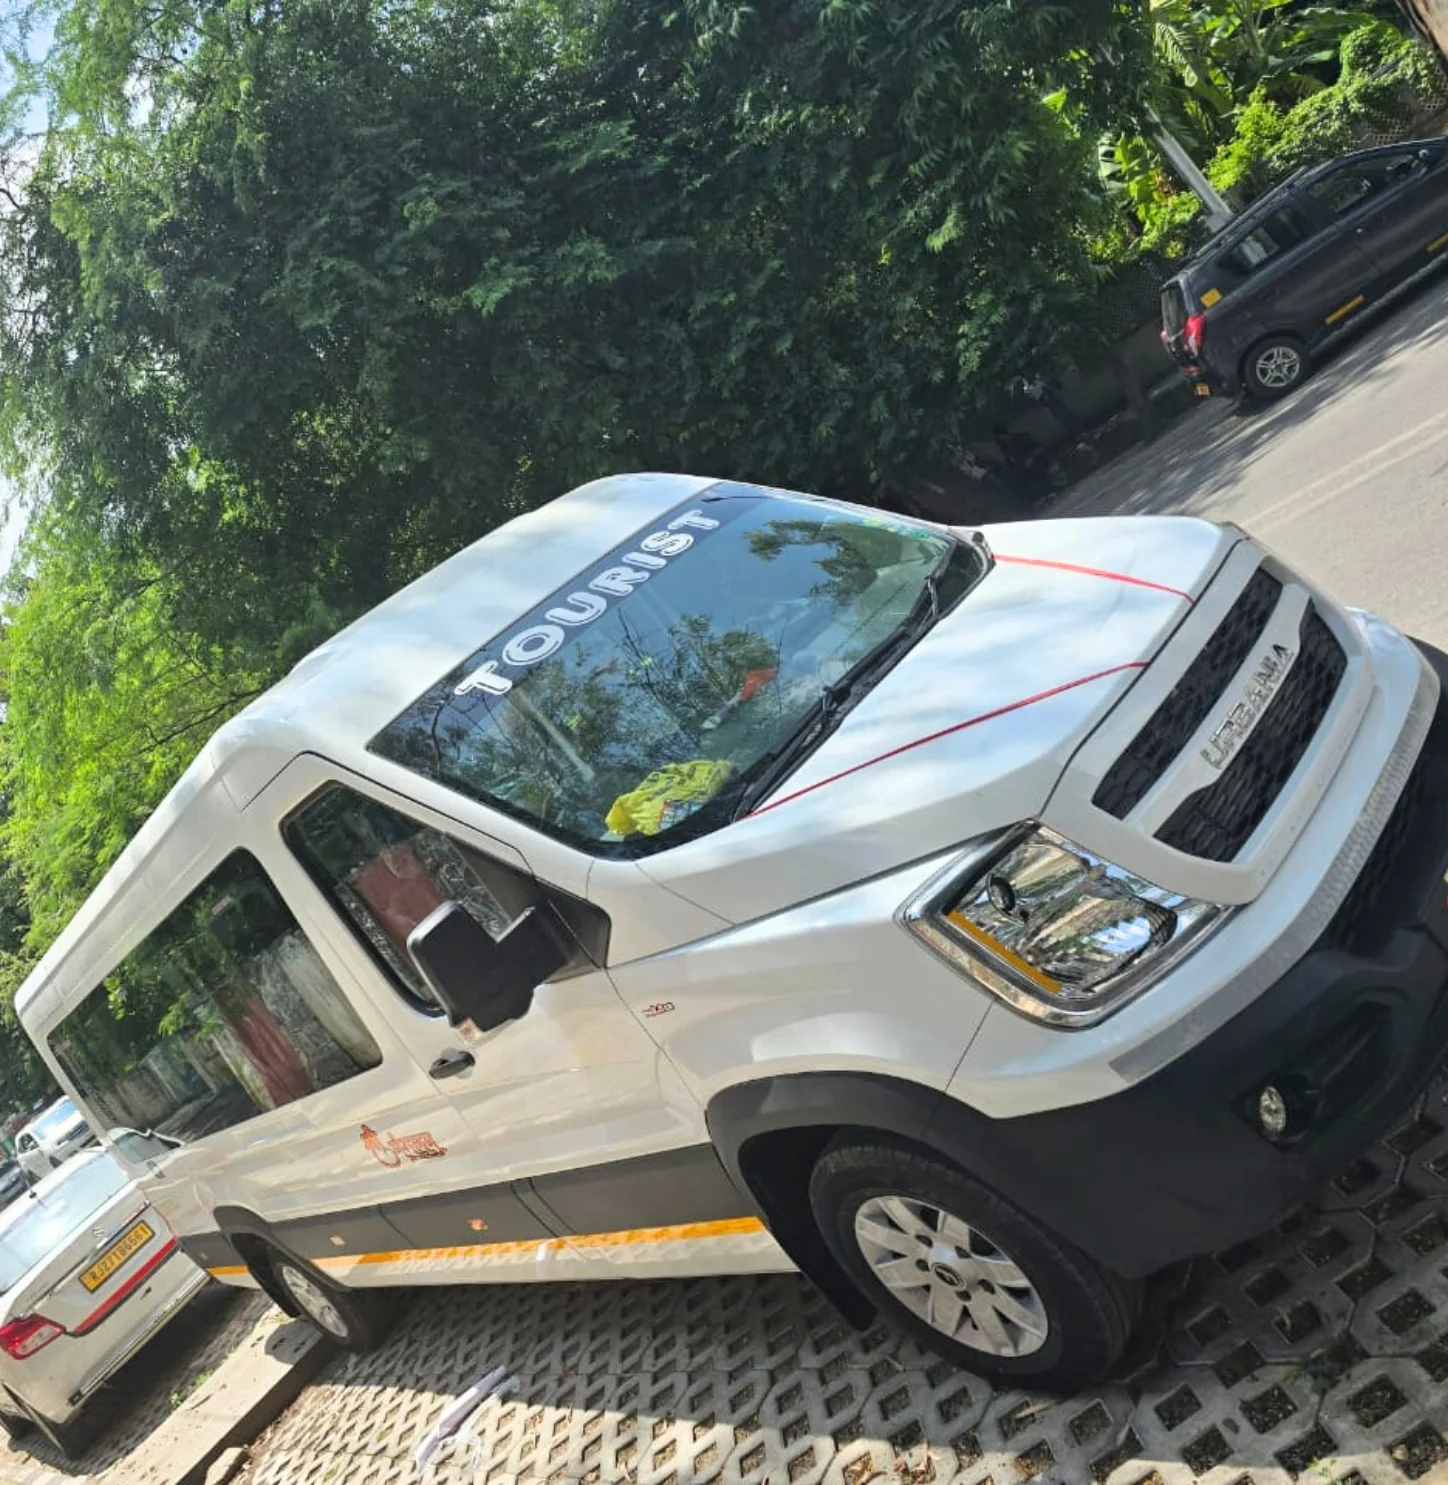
[1248, 311]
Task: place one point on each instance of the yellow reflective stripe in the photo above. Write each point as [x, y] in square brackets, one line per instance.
[1437, 243]
[997, 948]
[235, 1268]
[1346, 309]
[682, 1232]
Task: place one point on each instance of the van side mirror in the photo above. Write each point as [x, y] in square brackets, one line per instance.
[478, 978]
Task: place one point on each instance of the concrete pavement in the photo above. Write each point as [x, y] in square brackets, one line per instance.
[1347, 479]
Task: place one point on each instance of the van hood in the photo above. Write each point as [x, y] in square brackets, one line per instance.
[971, 731]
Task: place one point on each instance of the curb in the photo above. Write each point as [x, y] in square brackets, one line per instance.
[255, 1384]
[247, 1393]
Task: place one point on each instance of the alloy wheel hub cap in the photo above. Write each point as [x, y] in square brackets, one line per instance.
[315, 1302]
[951, 1275]
[1279, 367]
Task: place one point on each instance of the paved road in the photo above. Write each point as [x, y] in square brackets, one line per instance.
[1347, 479]
[1320, 1352]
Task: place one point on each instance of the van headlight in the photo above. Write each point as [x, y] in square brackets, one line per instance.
[1057, 932]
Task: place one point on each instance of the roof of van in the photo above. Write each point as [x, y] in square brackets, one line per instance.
[340, 696]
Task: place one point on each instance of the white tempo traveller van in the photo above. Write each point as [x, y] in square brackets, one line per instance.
[693, 878]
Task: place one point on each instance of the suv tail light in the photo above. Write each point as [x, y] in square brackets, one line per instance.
[26, 1334]
[1194, 332]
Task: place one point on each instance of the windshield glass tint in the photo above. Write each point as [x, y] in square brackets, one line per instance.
[54, 1120]
[646, 690]
[36, 1226]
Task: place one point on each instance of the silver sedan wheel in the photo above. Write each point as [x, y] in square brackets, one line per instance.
[314, 1301]
[951, 1275]
[1279, 367]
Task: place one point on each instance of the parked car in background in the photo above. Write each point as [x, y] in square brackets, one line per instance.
[60, 1132]
[1248, 312]
[88, 1273]
[13, 1181]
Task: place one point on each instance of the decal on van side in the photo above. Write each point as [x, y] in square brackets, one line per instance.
[393, 1150]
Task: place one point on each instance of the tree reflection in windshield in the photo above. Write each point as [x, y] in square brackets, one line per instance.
[636, 719]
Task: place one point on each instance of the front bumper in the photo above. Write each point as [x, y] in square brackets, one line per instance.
[1175, 1166]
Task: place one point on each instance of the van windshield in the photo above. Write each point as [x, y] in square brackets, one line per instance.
[635, 706]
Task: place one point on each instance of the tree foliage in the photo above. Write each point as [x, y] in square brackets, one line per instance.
[300, 297]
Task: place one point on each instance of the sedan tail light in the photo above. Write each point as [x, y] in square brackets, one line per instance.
[26, 1334]
[1194, 332]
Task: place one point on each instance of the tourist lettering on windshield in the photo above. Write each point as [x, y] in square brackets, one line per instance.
[527, 646]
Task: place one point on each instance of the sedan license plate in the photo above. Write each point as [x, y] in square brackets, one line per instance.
[116, 1256]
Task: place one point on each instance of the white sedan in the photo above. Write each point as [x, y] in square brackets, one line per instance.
[88, 1273]
[50, 1140]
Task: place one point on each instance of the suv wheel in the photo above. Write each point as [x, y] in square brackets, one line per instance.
[966, 1272]
[1273, 367]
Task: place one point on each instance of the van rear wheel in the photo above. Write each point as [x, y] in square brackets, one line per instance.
[966, 1272]
[357, 1322]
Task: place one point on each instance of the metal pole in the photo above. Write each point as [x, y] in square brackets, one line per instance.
[1218, 212]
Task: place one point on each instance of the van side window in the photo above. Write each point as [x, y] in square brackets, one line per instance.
[224, 1012]
[386, 873]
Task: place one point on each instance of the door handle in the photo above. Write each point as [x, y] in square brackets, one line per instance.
[450, 1064]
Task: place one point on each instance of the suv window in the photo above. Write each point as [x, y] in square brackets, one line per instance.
[1347, 187]
[635, 706]
[386, 873]
[224, 1012]
[1274, 235]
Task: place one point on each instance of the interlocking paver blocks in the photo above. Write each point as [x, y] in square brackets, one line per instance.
[1318, 1352]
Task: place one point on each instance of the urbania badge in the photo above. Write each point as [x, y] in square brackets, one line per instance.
[1271, 671]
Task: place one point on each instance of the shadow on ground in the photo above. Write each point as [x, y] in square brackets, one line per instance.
[1198, 461]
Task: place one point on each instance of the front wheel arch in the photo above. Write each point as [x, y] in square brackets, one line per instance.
[769, 1133]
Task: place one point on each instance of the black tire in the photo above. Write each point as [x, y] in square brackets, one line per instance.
[1088, 1314]
[72, 1437]
[1275, 366]
[355, 1321]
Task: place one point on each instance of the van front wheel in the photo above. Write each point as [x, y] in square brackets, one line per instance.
[966, 1272]
[357, 1322]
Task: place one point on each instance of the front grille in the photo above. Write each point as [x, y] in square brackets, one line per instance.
[1215, 823]
[1190, 701]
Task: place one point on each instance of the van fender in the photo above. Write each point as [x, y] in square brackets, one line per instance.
[251, 1236]
[769, 1132]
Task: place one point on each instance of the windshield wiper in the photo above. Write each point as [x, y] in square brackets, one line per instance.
[766, 770]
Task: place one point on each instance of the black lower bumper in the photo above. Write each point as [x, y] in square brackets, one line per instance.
[1177, 1165]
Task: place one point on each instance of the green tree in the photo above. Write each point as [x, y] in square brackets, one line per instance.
[107, 703]
[299, 298]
